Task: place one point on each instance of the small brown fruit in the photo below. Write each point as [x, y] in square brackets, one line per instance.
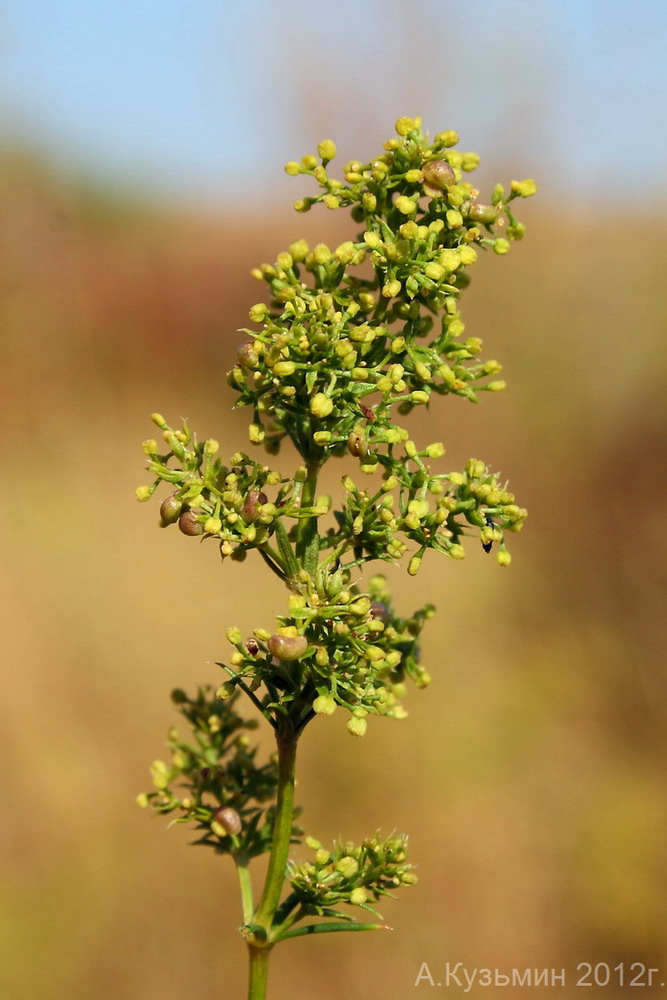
[482, 213]
[247, 355]
[250, 510]
[438, 175]
[288, 647]
[189, 524]
[170, 510]
[229, 820]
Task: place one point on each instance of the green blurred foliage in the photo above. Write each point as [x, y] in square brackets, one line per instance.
[532, 770]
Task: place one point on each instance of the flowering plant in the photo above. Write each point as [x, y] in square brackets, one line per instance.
[350, 338]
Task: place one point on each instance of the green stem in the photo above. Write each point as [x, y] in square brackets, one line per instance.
[258, 972]
[280, 931]
[258, 948]
[246, 889]
[282, 833]
[308, 544]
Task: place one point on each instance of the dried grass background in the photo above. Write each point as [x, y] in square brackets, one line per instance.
[530, 776]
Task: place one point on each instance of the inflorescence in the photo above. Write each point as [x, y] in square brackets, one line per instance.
[352, 338]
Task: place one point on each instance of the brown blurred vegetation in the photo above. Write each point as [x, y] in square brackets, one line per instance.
[530, 775]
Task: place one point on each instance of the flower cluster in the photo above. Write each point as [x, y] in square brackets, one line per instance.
[351, 337]
[214, 500]
[375, 322]
[431, 510]
[351, 874]
[336, 647]
[214, 782]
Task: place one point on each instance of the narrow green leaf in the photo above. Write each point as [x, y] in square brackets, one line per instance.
[331, 928]
[286, 550]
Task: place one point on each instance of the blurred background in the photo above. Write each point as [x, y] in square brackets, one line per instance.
[141, 178]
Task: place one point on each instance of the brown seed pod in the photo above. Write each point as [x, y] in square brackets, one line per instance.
[250, 510]
[252, 646]
[380, 611]
[170, 509]
[438, 175]
[288, 647]
[482, 213]
[247, 355]
[228, 819]
[356, 444]
[189, 524]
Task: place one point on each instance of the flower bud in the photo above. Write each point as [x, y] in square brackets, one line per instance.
[391, 288]
[469, 161]
[524, 188]
[258, 313]
[356, 727]
[321, 405]
[288, 647]
[189, 524]
[324, 705]
[434, 271]
[404, 125]
[321, 253]
[298, 251]
[516, 232]
[413, 565]
[345, 252]
[358, 896]
[284, 368]
[347, 866]
[447, 139]
[438, 176]
[405, 205]
[225, 691]
[326, 149]
[229, 820]
[467, 255]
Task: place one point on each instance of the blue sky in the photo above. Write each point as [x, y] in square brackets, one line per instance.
[201, 99]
